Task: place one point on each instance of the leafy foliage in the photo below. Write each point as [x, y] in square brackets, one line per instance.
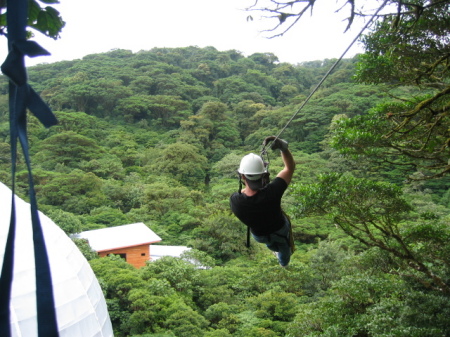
[156, 136]
[45, 20]
[375, 214]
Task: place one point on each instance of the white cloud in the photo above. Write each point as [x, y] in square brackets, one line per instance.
[97, 26]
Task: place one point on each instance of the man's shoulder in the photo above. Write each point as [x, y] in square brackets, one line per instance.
[235, 196]
[279, 182]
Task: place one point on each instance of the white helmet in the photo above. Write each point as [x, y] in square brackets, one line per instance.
[252, 166]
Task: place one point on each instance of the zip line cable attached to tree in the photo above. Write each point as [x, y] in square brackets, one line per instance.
[263, 151]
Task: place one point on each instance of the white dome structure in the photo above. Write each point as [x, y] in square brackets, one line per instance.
[80, 305]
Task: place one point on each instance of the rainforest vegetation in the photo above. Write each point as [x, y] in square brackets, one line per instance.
[156, 137]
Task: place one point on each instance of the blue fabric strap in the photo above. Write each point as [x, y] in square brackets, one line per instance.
[21, 97]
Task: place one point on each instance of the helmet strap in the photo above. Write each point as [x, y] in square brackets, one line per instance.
[265, 179]
[240, 183]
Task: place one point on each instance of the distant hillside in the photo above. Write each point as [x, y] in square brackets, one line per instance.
[156, 136]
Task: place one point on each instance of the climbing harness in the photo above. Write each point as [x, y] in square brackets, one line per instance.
[21, 97]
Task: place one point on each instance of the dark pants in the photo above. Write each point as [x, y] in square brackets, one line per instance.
[278, 242]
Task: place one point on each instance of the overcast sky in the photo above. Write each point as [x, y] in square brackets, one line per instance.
[97, 26]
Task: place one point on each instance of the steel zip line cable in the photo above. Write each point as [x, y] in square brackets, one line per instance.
[328, 73]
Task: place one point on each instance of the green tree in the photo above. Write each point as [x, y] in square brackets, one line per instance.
[373, 304]
[77, 192]
[218, 333]
[148, 310]
[213, 128]
[345, 311]
[67, 221]
[222, 236]
[78, 122]
[108, 166]
[275, 305]
[287, 92]
[168, 110]
[217, 295]
[244, 111]
[107, 216]
[123, 145]
[135, 108]
[376, 214]
[230, 89]
[118, 279]
[184, 163]
[161, 199]
[181, 275]
[184, 321]
[405, 47]
[414, 147]
[107, 94]
[219, 315]
[79, 91]
[85, 249]
[67, 149]
[327, 262]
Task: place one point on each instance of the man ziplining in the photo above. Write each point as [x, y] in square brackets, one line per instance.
[258, 205]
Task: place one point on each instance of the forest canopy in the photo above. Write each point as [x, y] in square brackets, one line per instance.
[156, 137]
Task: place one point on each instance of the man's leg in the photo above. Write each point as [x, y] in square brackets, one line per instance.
[284, 254]
[281, 238]
[272, 245]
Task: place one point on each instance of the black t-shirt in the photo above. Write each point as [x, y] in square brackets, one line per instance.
[262, 211]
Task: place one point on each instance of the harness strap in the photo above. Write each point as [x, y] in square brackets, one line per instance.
[21, 97]
[291, 234]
